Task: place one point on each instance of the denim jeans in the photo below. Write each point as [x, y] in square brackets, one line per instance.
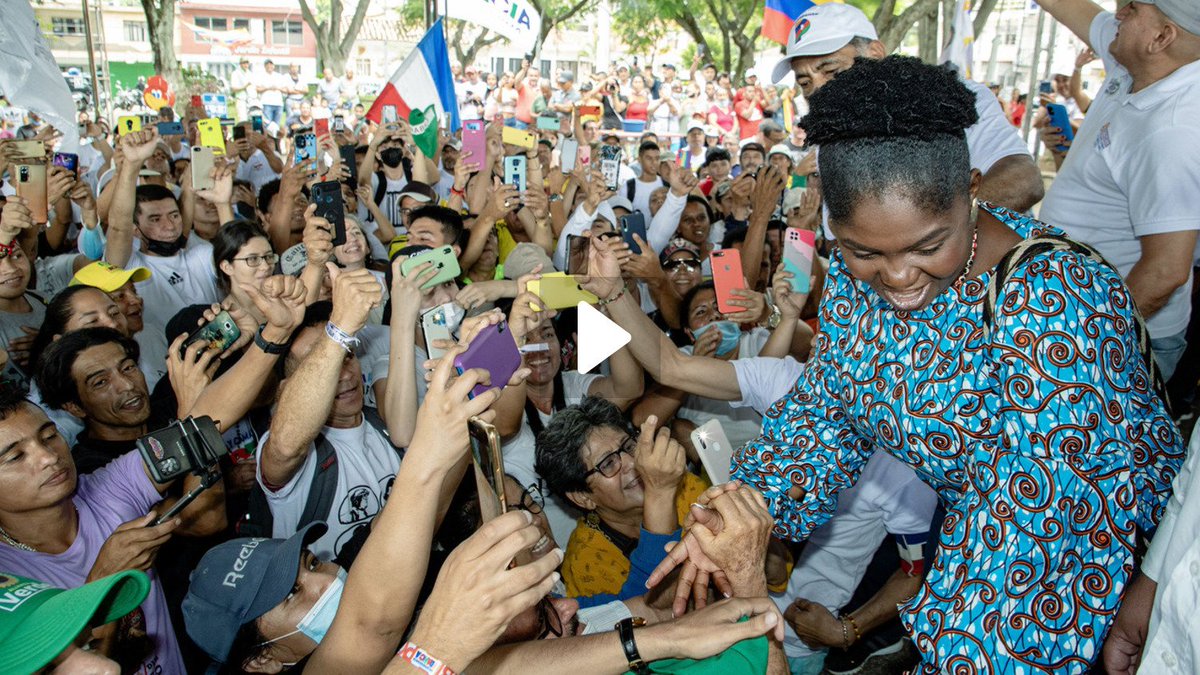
[273, 113]
[1168, 351]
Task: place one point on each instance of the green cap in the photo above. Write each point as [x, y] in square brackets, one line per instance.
[39, 621]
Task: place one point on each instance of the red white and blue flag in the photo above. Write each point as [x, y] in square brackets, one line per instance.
[422, 88]
[779, 15]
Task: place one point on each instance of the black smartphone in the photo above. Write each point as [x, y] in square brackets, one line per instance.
[1046, 87]
[634, 223]
[350, 160]
[68, 161]
[339, 124]
[328, 198]
[181, 448]
[239, 132]
[577, 254]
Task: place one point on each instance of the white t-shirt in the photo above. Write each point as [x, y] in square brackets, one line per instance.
[741, 424]
[186, 278]
[764, 380]
[256, 170]
[641, 195]
[519, 458]
[887, 499]
[1133, 170]
[276, 82]
[366, 465]
[390, 203]
[54, 273]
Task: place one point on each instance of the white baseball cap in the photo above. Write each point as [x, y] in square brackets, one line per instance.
[824, 29]
[1186, 13]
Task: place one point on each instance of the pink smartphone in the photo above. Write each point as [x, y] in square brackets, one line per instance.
[799, 248]
[727, 276]
[475, 142]
[493, 350]
[584, 156]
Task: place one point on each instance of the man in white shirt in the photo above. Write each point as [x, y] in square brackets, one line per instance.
[471, 94]
[330, 88]
[1129, 184]
[258, 163]
[241, 84]
[826, 39]
[270, 91]
[637, 190]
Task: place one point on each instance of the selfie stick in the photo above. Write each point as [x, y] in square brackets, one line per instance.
[209, 475]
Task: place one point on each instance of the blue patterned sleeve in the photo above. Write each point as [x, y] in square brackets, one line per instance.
[807, 440]
[1074, 389]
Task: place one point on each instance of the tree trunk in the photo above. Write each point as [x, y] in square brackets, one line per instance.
[927, 37]
[160, 29]
[982, 12]
[892, 29]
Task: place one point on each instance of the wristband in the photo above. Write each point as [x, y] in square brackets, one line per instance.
[608, 301]
[7, 249]
[456, 191]
[269, 347]
[346, 340]
[624, 630]
[423, 660]
[853, 624]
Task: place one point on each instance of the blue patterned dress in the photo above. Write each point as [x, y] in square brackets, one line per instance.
[1044, 442]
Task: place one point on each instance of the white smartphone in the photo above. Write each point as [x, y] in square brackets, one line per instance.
[714, 449]
[433, 323]
[568, 149]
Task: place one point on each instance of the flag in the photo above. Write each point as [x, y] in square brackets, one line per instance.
[31, 78]
[779, 15]
[422, 89]
[516, 20]
[960, 52]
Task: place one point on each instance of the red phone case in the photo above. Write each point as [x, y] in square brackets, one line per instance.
[321, 126]
[727, 276]
[494, 351]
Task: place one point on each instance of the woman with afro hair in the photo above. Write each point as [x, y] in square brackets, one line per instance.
[1034, 414]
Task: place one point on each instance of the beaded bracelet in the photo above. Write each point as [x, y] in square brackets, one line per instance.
[608, 301]
[853, 624]
[423, 660]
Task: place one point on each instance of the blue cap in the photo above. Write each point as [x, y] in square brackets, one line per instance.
[239, 581]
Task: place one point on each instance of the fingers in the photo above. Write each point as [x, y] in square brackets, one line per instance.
[141, 521]
[676, 556]
[683, 589]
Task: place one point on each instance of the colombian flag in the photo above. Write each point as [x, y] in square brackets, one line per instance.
[422, 88]
[779, 15]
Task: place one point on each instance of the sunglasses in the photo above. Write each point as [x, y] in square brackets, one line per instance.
[549, 622]
[675, 265]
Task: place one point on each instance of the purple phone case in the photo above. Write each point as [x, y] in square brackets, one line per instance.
[494, 351]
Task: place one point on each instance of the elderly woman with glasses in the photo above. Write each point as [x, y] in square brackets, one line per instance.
[632, 485]
[242, 256]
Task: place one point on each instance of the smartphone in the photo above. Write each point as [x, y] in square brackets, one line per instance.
[435, 327]
[515, 171]
[68, 161]
[339, 124]
[239, 132]
[727, 276]
[488, 460]
[568, 150]
[305, 147]
[475, 141]
[1045, 87]
[198, 101]
[559, 290]
[1059, 118]
[217, 335]
[31, 186]
[714, 449]
[328, 198]
[584, 156]
[549, 123]
[169, 128]
[389, 115]
[590, 111]
[799, 248]
[181, 448]
[127, 124]
[211, 134]
[577, 253]
[33, 149]
[321, 126]
[443, 259]
[350, 161]
[634, 223]
[610, 165]
[203, 160]
[521, 139]
[256, 123]
[494, 351]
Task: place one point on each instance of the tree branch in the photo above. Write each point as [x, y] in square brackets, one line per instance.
[982, 14]
[356, 22]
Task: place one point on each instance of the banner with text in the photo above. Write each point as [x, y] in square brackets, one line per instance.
[516, 20]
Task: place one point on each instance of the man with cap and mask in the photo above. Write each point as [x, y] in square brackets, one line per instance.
[1129, 183]
[826, 39]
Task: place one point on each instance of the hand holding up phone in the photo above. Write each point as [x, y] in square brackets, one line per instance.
[14, 219]
[441, 435]
[355, 294]
[132, 546]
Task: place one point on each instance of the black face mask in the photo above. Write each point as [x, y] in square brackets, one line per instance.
[391, 157]
[165, 248]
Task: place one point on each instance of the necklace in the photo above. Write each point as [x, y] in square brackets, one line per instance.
[14, 543]
[974, 245]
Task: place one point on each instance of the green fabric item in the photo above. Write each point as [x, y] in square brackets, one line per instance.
[747, 656]
[539, 105]
[424, 129]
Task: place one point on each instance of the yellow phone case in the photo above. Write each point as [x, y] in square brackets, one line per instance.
[521, 139]
[127, 124]
[559, 290]
[211, 134]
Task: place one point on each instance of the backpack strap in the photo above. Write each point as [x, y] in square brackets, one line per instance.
[630, 189]
[323, 488]
[1045, 244]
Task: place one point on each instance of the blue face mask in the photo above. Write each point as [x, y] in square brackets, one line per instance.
[317, 621]
[91, 242]
[731, 335]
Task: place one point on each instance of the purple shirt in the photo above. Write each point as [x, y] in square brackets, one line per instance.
[105, 499]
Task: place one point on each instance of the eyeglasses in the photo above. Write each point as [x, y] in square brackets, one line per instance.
[610, 464]
[676, 265]
[531, 501]
[256, 260]
[549, 622]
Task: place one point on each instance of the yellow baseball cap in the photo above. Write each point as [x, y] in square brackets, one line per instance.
[106, 277]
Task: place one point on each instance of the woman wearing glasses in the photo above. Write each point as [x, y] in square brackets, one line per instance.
[242, 255]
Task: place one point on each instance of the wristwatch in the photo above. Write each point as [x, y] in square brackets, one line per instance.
[269, 347]
[776, 316]
[624, 629]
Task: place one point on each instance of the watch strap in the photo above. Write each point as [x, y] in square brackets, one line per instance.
[269, 347]
[624, 630]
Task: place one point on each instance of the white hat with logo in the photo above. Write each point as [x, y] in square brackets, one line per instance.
[822, 30]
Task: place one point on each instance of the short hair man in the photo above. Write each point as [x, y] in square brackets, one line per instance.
[637, 190]
[827, 38]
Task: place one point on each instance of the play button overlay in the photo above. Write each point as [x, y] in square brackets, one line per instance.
[599, 338]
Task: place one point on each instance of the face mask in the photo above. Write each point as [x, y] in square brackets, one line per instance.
[730, 332]
[391, 157]
[165, 248]
[91, 242]
[316, 623]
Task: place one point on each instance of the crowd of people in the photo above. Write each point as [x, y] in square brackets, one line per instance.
[953, 443]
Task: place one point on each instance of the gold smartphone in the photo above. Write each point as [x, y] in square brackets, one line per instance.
[489, 468]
